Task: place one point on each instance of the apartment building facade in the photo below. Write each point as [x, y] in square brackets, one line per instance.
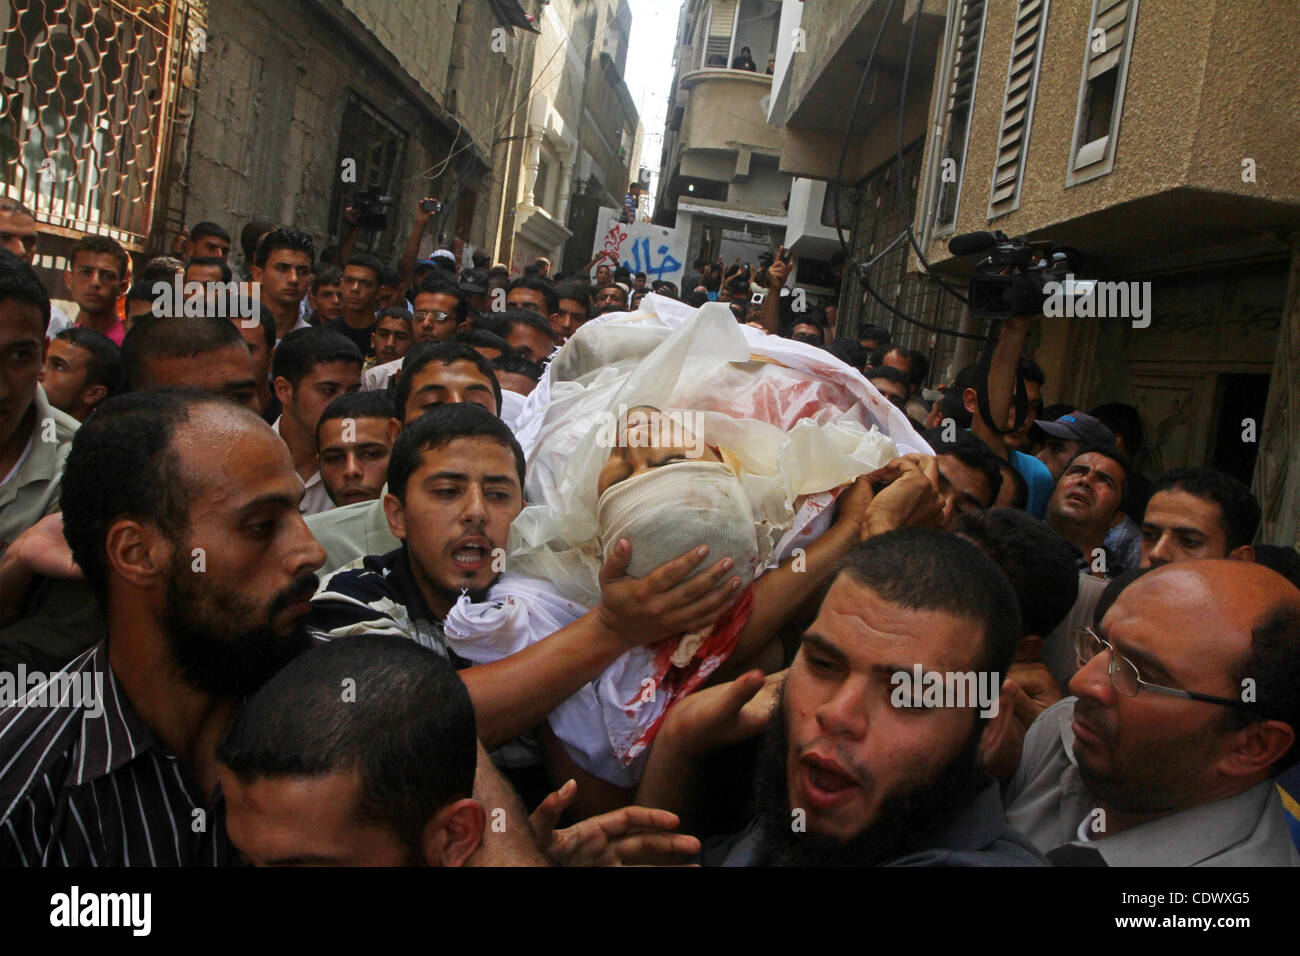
[1156, 140]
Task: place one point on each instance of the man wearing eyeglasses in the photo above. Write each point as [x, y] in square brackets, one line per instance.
[1184, 709]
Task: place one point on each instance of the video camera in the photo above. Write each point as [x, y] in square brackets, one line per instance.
[371, 208]
[995, 295]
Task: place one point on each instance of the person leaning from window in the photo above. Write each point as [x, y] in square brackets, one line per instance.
[744, 61]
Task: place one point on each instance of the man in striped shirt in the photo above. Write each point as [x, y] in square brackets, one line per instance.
[181, 508]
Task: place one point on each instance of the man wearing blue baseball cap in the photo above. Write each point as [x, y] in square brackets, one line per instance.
[1063, 439]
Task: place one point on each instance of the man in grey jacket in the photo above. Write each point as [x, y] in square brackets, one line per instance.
[1184, 711]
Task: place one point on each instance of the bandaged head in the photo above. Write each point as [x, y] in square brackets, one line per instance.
[665, 512]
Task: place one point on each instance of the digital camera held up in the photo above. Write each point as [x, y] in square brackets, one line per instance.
[371, 208]
[1014, 272]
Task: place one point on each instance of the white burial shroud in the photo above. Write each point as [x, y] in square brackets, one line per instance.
[799, 422]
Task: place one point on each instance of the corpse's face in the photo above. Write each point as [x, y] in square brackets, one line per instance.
[649, 439]
[459, 504]
[317, 821]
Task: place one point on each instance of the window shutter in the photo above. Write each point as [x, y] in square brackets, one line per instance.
[1018, 106]
[720, 25]
[961, 93]
[1111, 17]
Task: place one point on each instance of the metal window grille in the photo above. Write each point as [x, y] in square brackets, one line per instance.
[877, 223]
[84, 93]
[377, 146]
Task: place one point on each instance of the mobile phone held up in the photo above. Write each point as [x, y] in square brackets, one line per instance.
[430, 205]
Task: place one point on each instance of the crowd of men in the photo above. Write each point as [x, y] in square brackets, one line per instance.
[230, 543]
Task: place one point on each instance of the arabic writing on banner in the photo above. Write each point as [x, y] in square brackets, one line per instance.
[657, 251]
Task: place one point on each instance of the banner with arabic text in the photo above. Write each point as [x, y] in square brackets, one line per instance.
[657, 251]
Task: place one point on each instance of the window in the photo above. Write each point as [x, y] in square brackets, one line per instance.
[375, 145]
[540, 197]
[717, 45]
[1101, 89]
[1018, 106]
[964, 54]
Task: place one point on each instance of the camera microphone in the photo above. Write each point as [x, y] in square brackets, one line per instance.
[969, 242]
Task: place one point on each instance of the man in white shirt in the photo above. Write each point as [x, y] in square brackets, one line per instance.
[310, 368]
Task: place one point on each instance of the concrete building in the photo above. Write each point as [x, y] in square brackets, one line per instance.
[575, 142]
[1158, 144]
[720, 175]
[240, 110]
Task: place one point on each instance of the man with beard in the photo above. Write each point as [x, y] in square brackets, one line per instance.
[848, 775]
[182, 511]
[1184, 710]
[609, 297]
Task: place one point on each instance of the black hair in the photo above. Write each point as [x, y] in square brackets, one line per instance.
[18, 281]
[267, 321]
[888, 373]
[226, 274]
[444, 284]
[528, 317]
[952, 404]
[1273, 664]
[396, 312]
[1019, 497]
[1054, 411]
[610, 285]
[444, 353]
[849, 351]
[407, 731]
[518, 365]
[330, 275]
[577, 291]
[303, 349]
[439, 426]
[278, 239]
[123, 464]
[1239, 509]
[201, 230]
[537, 284]
[376, 404]
[1277, 557]
[971, 452]
[491, 322]
[481, 338]
[105, 364]
[141, 291]
[924, 569]
[1106, 451]
[878, 356]
[162, 336]
[249, 235]
[100, 245]
[1031, 371]
[390, 279]
[1037, 561]
[1123, 420]
[920, 368]
[875, 334]
[366, 261]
